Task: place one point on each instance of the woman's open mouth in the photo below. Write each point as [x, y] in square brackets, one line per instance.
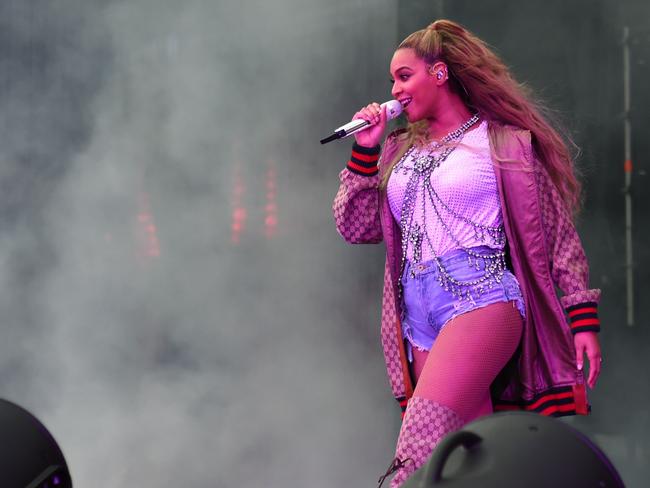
[405, 101]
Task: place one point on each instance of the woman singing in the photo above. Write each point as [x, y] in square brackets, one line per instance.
[475, 202]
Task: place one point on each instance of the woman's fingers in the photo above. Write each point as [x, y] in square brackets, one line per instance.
[371, 113]
[375, 115]
[587, 343]
[580, 352]
[594, 370]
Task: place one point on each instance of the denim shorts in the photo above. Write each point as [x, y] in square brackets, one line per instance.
[428, 307]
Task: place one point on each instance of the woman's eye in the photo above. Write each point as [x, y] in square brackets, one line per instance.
[401, 77]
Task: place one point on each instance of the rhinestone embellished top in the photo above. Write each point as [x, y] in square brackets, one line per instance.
[445, 197]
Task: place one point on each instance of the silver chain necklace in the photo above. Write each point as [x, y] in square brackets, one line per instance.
[415, 234]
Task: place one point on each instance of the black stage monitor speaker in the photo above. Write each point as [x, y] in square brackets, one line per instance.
[29, 455]
[516, 449]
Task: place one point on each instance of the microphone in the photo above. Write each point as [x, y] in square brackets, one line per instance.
[393, 109]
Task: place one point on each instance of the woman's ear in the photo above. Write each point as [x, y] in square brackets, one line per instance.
[440, 71]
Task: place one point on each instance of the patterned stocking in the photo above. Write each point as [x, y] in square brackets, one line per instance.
[426, 422]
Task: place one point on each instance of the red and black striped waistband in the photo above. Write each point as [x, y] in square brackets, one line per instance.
[555, 402]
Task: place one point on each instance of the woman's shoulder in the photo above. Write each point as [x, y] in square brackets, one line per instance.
[511, 143]
[508, 130]
[396, 136]
[393, 142]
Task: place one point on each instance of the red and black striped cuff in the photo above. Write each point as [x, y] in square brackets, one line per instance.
[584, 317]
[364, 160]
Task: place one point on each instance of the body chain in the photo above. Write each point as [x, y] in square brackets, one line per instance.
[423, 167]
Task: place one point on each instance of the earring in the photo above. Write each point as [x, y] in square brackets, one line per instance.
[440, 75]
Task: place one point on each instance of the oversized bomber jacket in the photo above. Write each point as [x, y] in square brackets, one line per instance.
[544, 251]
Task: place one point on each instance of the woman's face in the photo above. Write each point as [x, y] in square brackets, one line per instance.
[413, 85]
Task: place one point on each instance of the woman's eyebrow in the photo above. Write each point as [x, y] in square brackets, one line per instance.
[401, 68]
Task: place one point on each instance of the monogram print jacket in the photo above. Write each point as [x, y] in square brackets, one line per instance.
[545, 254]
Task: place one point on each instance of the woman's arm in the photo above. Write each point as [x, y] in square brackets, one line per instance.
[356, 205]
[569, 267]
[570, 272]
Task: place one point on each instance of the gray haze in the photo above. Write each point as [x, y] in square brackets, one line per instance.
[212, 364]
[160, 353]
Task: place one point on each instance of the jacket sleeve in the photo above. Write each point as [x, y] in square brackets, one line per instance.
[568, 262]
[357, 204]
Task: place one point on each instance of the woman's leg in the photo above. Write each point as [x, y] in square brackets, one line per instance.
[419, 360]
[454, 383]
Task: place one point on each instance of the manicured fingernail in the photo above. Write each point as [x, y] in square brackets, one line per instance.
[579, 366]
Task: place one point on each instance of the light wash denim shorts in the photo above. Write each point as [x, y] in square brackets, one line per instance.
[427, 307]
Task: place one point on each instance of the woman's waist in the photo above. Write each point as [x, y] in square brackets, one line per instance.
[463, 263]
[443, 244]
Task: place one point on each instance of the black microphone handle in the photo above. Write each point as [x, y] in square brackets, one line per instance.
[335, 136]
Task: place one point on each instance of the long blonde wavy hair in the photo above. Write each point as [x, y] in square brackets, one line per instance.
[486, 86]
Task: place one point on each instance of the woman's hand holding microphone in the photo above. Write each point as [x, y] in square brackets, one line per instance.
[375, 114]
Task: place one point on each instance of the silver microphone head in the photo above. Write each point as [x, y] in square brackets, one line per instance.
[393, 109]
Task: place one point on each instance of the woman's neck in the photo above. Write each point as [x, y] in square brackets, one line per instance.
[451, 114]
